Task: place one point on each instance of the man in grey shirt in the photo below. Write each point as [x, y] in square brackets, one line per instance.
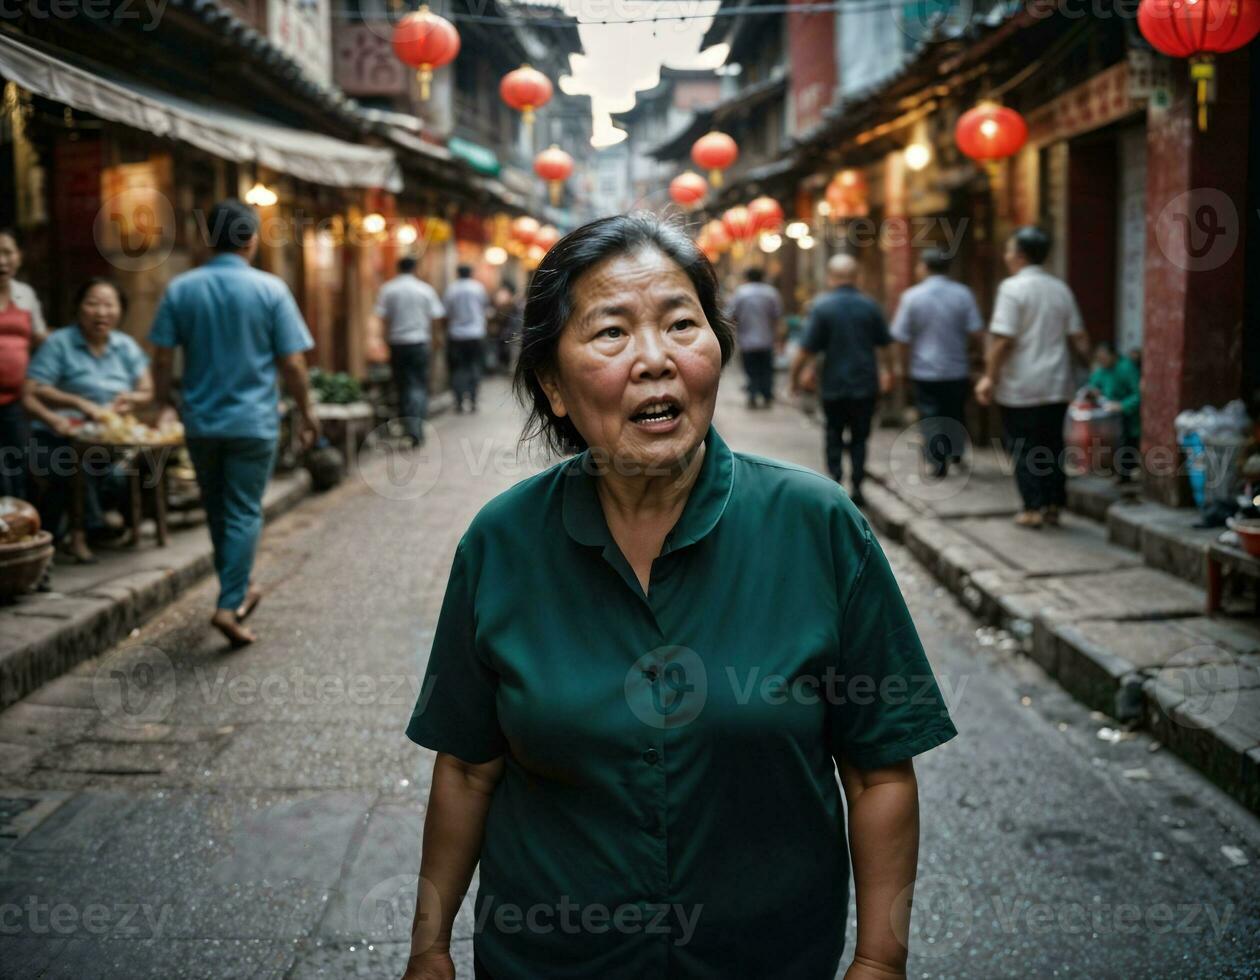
[466, 303]
[406, 308]
[756, 310]
[933, 323]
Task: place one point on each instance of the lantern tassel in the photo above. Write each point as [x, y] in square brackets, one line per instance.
[1203, 74]
[425, 74]
[555, 193]
[715, 177]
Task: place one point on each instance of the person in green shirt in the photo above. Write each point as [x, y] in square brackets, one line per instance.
[1117, 381]
[662, 668]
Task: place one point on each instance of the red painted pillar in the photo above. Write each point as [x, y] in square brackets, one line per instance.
[1195, 264]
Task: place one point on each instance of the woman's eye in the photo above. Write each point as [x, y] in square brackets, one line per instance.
[611, 332]
[684, 324]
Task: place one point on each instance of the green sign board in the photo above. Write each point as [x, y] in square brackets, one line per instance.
[480, 158]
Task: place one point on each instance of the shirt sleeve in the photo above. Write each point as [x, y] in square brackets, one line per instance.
[39, 327]
[1005, 321]
[381, 308]
[889, 707]
[975, 322]
[47, 363]
[902, 326]
[814, 335]
[456, 710]
[1075, 323]
[289, 333]
[137, 360]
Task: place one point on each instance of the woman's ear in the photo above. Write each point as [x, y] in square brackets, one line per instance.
[551, 388]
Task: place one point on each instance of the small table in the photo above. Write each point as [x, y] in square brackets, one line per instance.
[1222, 560]
[148, 472]
[348, 425]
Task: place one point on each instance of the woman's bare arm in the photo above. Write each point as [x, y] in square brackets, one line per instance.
[884, 842]
[459, 799]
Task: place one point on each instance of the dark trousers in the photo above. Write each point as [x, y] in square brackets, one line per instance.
[759, 367]
[410, 365]
[1033, 435]
[851, 415]
[232, 475]
[13, 436]
[54, 460]
[940, 405]
[466, 359]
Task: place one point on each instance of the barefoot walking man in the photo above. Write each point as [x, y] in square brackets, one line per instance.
[238, 327]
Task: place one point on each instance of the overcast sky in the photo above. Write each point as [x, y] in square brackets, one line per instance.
[623, 58]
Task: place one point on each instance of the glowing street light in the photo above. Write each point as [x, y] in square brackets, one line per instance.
[797, 229]
[261, 196]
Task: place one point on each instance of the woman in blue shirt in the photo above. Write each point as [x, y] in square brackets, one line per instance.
[77, 373]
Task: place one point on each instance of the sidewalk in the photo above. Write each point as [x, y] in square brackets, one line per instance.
[92, 607]
[1095, 605]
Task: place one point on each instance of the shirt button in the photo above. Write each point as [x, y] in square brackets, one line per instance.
[651, 757]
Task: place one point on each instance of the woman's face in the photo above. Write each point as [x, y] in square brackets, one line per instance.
[99, 312]
[10, 259]
[637, 365]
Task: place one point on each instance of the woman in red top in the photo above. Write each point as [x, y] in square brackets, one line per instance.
[21, 327]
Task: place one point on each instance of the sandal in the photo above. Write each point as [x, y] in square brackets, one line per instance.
[1029, 519]
[1051, 516]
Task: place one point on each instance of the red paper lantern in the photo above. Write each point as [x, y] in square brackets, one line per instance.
[524, 229]
[425, 41]
[990, 132]
[546, 237]
[688, 189]
[1198, 29]
[714, 152]
[525, 90]
[554, 166]
[766, 214]
[715, 236]
[738, 223]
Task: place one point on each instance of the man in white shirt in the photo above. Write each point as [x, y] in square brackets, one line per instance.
[1028, 371]
[407, 308]
[467, 303]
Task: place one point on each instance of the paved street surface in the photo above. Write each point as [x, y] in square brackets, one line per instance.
[185, 811]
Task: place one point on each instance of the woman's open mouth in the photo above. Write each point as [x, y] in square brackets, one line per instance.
[657, 416]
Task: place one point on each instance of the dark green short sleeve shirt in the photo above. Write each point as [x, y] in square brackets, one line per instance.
[670, 805]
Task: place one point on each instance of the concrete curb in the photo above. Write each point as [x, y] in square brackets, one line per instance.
[96, 620]
[1094, 675]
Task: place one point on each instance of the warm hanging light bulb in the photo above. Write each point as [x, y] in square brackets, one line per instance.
[770, 243]
[806, 242]
[797, 229]
[918, 156]
[406, 234]
[261, 196]
[374, 223]
[496, 255]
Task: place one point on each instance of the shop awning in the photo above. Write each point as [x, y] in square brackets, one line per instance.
[218, 129]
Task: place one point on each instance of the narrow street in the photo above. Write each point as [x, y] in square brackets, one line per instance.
[183, 811]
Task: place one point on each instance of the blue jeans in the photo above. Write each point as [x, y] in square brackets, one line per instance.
[13, 436]
[410, 364]
[233, 474]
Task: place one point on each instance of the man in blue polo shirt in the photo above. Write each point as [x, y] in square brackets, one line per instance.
[238, 327]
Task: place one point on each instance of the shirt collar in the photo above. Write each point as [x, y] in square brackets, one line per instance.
[228, 258]
[584, 517]
[77, 338]
[1032, 269]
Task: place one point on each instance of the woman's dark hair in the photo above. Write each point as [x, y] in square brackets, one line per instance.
[1033, 243]
[549, 304]
[12, 233]
[80, 294]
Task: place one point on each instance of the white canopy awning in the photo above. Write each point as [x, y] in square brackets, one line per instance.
[221, 130]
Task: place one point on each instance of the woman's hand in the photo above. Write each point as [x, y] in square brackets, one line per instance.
[61, 425]
[863, 969]
[91, 410]
[431, 965]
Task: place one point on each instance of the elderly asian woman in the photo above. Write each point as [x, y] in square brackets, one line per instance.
[77, 373]
[662, 667]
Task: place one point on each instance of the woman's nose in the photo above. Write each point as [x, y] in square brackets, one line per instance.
[654, 360]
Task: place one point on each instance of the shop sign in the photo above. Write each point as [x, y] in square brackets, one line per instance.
[302, 30]
[366, 64]
[1102, 100]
